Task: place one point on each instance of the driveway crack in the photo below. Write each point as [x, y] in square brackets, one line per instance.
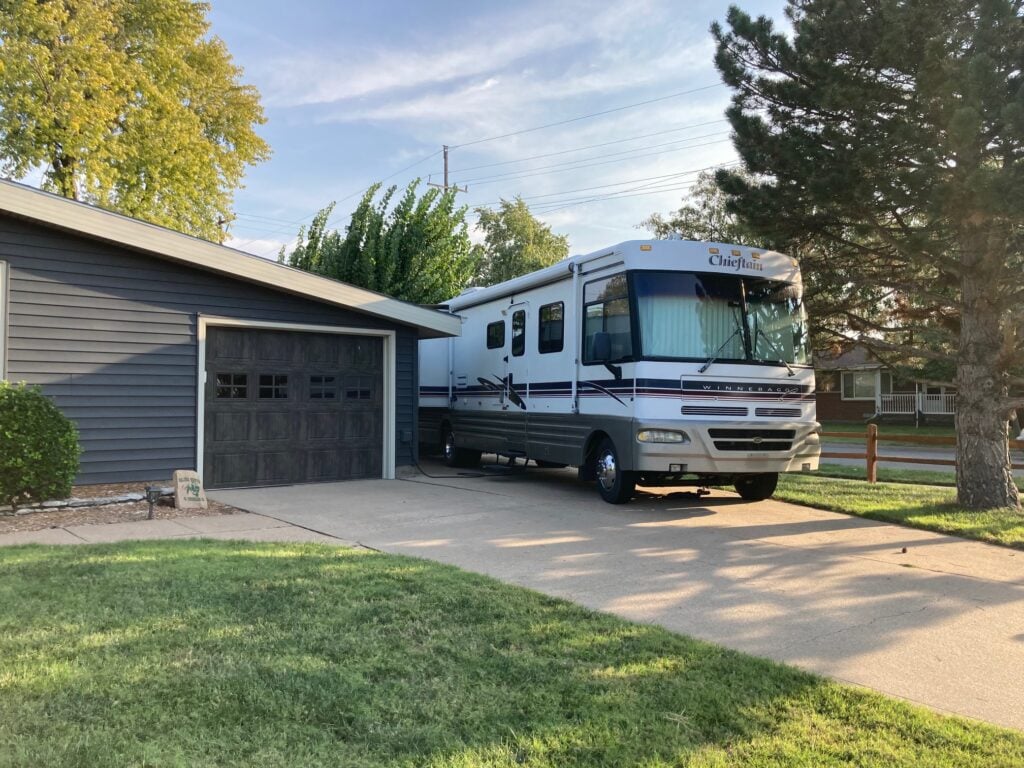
[862, 625]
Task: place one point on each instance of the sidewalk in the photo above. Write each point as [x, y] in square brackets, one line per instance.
[247, 526]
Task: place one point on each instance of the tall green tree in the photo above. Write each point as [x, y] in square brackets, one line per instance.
[416, 250]
[891, 134]
[516, 243]
[702, 216]
[128, 104]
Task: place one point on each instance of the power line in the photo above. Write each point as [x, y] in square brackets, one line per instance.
[626, 193]
[659, 177]
[588, 116]
[591, 146]
[573, 164]
[600, 163]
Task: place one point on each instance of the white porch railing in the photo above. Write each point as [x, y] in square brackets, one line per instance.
[910, 403]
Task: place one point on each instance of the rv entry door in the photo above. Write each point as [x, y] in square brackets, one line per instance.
[517, 390]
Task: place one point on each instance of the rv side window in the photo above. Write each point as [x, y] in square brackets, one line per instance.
[496, 335]
[518, 332]
[606, 310]
[550, 332]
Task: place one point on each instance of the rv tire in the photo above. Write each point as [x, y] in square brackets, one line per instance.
[756, 487]
[453, 455]
[615, 484]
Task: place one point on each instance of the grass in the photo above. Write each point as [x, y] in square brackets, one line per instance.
[886, 475]
[925, 430]
[190, 653]
[930, 507]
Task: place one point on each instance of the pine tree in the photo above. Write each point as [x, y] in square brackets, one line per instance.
[888, 137]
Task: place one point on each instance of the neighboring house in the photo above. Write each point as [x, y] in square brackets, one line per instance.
[854, 386]
[171, 352]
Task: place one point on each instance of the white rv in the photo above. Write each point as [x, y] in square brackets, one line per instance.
[660, 362]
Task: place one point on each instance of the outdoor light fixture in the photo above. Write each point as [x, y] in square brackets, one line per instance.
[152, 496]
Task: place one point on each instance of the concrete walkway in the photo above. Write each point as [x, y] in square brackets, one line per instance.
[250, 527]
[941, 624]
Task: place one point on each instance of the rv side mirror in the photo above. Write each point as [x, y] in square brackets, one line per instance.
[602, 346]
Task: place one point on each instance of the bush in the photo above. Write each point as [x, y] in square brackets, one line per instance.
[38, 446]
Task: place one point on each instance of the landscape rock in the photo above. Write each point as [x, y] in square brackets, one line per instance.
[188, 490]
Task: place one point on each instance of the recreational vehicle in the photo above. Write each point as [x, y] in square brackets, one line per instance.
[650, 363]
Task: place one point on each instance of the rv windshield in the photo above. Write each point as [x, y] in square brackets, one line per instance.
[685, 315]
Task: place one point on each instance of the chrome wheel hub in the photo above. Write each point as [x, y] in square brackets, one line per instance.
[449, 445]
[606, 470]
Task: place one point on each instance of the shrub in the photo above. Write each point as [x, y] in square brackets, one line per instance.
[38, 446]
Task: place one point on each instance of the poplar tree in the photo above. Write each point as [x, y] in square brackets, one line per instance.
[417, 250]
[888, 136]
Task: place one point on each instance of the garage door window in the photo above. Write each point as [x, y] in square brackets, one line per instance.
[322, 388]
[232, 386]
[273, 386]
[359, 389]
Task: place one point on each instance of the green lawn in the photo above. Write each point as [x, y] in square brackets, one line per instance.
[886, 475]
[925, 430]
[189, 653]
[930, 507]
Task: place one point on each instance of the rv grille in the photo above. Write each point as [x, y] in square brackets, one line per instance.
[777, 412]
[752, 439]
[713, 410]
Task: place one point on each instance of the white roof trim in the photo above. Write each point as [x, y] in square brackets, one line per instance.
[62, 213]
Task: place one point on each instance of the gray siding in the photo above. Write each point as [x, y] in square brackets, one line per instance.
[111, 335]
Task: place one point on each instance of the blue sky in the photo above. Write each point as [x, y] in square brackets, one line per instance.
[355, 92]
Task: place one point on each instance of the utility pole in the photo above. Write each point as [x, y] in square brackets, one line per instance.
[446, 186]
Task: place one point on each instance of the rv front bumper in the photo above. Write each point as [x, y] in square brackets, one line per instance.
[725, 447]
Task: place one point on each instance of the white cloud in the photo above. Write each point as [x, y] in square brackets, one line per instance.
[486, 45]
[266, 248]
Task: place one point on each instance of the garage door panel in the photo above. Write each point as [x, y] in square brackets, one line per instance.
[276, 347]
[322, 425]
[229, 346]
[359, 353]
[360, 425]
[323, 466]
[279, 467]
[227, 469]
[290, 406]
[323, 351]
[361, 464]
[230, 427]
[274, 426]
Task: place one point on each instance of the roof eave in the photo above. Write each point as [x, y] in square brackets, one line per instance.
[86, 220]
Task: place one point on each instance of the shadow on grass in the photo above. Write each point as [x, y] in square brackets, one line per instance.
[190, 652]
[932, 508]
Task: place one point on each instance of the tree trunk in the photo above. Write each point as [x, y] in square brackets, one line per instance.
[983, 476]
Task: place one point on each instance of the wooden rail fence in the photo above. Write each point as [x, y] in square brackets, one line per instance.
[872, 457]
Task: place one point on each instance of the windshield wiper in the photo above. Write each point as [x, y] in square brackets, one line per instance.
[710, 361]
[782, 359]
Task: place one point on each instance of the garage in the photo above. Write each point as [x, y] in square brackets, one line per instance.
[286, 407]
[170, 352]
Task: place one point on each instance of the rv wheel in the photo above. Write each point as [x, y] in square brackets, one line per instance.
[455, 456]
[756, 487]
[615, 485]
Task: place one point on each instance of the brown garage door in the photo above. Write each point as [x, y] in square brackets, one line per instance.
[291, 407]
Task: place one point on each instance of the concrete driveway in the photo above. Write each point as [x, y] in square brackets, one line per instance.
[942, 624]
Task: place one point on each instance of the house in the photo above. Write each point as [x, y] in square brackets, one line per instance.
[171, 352]
[853, 385]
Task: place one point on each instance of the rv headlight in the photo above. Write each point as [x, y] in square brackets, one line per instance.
[661, 436]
